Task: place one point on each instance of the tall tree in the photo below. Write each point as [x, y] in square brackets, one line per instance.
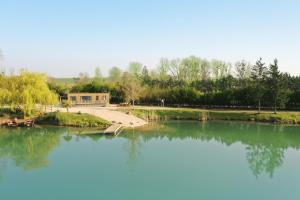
[145, 75]
[277, 86]
[220, 69]
[135, 68]
[191, 67]
[204, 70]
[243, 69]
[114, 74]
[163, 68]
[174, 68]
[130, 87]
[258, 75]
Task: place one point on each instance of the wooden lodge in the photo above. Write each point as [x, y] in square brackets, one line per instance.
[101, 99]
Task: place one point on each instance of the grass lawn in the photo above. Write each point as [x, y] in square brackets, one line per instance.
[72, 119]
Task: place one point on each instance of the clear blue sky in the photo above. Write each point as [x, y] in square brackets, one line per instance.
[63, 38]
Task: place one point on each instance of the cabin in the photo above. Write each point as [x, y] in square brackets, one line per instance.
[101, 99]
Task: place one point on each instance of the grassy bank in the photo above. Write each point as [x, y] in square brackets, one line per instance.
[72, 119]
[158, 113]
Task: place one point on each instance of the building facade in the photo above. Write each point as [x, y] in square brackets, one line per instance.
[101, 99]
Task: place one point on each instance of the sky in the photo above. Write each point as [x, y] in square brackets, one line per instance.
[66, 37]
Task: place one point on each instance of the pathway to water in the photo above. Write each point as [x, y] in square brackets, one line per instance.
[109, 114]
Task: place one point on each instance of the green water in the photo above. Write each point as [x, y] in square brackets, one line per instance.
[173, 160]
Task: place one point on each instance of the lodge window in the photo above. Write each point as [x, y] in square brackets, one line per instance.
[86, 99]
[97, 98]
[73, 98]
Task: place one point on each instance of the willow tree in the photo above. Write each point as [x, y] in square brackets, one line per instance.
[27, 91]
[5, 92]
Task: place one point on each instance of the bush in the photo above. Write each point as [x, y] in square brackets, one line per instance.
[172, 96]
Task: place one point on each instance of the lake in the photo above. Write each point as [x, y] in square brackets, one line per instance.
[170, 160]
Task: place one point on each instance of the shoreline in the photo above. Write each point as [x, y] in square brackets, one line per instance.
[167, 113]
[156, 114]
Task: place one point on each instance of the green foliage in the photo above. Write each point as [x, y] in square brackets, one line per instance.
[58, 88]
[26, 91]
[243, 69]
[171, 96]
[193, 81]
[220, 68]
[130, 87]
[258, 75]
[66, 104]
[294, 99]
[277, 86]
[72, 119]
[163, 68]
[188, 69]
[191, 68]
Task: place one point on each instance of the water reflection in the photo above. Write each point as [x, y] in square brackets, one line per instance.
[265, 145]
[264, 159]
[27, 148]
[133, 147]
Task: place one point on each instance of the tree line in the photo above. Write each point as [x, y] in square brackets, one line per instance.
[197, 82]
[191, 82]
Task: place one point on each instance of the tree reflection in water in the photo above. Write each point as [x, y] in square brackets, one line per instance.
[265, 144]
[27, 148]
[133, 147]
[264, 159]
